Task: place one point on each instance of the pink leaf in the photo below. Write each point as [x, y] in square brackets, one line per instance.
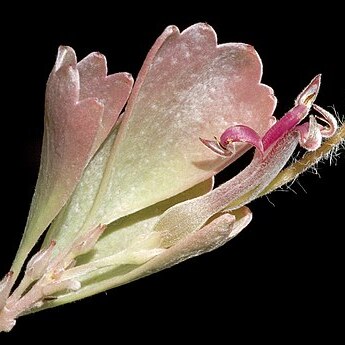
[111, 91]
[82, 106]
[188, 87]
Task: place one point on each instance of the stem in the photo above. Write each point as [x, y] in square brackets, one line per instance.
[22, 287]
[125, 257]
[308, 160]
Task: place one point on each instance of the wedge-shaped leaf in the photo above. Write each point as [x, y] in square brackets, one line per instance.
[82, 105]
[188, 87]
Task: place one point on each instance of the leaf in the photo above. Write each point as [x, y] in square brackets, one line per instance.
[82, 105]
[238, 191]
[188, 228]
[72, 221]
[188, 87]
[213, 235]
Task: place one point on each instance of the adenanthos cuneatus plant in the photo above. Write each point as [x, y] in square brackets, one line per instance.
[125, 186]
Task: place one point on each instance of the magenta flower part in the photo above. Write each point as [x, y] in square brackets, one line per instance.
[311, 133]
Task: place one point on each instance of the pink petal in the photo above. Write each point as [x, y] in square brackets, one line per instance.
[241, 133]
[310, 134]
[188, 87]
[330, 121]
[295, 115]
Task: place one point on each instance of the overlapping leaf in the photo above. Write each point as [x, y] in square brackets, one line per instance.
[82, 105]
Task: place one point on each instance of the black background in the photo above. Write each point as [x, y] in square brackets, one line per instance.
[281, 275]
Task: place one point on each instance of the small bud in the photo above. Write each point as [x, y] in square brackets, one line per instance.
[58, 286]
[87, 241]
[38, 304]
[5, 288]
[8, 325]
[39, 262]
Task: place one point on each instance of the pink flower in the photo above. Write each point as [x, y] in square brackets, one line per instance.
[126, 194]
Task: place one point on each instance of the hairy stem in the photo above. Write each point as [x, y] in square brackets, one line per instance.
[307, 161]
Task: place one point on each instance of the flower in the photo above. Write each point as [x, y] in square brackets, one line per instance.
[126, 194]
